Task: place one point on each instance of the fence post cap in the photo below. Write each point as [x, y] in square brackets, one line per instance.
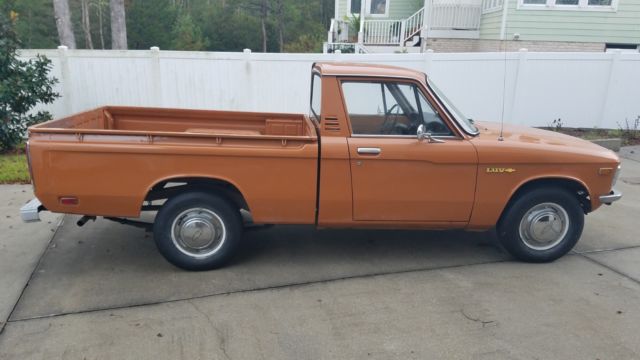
[154, 48]
[247, 51]
[63, 47]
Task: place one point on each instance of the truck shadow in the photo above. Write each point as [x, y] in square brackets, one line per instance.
[106, 265]
[298, 241]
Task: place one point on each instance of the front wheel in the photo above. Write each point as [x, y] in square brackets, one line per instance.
[197, 231]
[541, 225]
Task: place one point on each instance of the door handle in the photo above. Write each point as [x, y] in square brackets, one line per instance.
[369, 151]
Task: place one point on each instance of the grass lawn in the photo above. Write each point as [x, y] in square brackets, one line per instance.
[14, 169]
[628, 136]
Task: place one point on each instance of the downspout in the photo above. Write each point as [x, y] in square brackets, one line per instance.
[363, 7]
[426, 22]
[503, 26]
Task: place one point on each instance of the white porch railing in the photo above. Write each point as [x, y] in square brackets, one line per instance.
[396, 32]
[413, 24]
[449, 15]
[382, 32]
[455, 14]
[339, 32]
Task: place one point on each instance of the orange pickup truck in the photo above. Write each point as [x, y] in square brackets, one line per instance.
[382, 147]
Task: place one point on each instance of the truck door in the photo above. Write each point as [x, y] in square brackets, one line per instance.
[395, 176]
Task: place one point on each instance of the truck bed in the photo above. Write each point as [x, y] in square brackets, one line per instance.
[110, 158]
[181, 122]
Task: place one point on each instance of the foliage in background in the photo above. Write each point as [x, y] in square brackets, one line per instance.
[23, 84]
[187, 35]
[556, 125]
[305, 44]
[150, 23]
[630, 132]
[214, 25]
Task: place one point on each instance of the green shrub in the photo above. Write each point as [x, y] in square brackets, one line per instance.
[23, 84]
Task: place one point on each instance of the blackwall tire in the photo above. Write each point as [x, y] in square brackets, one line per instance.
[197, 231]
[541, 225]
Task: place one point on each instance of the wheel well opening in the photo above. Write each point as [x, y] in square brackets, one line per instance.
[572, 186]
[169, 188]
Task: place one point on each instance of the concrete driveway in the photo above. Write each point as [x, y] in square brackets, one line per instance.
[103, 291]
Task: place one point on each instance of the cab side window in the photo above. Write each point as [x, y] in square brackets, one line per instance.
[389, 108]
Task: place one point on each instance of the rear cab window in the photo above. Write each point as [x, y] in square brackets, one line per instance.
[316, 96]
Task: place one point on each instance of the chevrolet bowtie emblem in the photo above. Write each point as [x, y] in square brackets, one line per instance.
[500, 170]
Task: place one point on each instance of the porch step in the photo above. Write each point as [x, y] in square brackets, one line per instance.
[414, 41]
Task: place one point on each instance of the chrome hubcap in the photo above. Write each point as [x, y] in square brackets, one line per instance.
[198, 232]
[544, 226]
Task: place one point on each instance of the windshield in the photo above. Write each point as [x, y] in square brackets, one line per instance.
[462, 119]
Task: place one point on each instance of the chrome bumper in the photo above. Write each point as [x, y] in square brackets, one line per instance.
[30, 211]
[614, 195]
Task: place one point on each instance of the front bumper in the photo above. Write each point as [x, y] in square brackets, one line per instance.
[614, 195]
[30, 211]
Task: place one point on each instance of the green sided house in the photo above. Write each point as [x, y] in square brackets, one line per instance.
[387, 26]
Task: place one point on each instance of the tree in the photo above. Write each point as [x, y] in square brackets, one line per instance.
[23, 84]
[63, 23]
[279, 10]
[118, 25]
[100, 8]
[86, 23]
[151, 23]
[187, 35]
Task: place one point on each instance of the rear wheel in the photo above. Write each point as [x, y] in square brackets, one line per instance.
[541, 225]
[197, 231]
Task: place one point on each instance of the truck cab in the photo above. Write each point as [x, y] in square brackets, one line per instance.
[375, 170]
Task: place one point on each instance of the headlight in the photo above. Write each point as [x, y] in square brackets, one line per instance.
[615, 176]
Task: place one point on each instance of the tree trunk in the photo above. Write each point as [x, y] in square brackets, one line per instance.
[280, 15]
[118, 25]
[86, 24]
[263, 19]
[63, 23]
[100, 17]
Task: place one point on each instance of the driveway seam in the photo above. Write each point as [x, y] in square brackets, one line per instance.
[24, 288]
[610, 268]
[628, 158]
[596, 251]
[266, 288]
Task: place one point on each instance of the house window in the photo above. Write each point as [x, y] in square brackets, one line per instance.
[375, 8]
[355, 6]
[597, 5]
[489, 6]
[378, 7]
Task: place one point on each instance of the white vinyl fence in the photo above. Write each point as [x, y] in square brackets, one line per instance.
[583, 89]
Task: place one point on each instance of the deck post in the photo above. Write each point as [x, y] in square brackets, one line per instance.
[156, 80]
[426, 19]
[65, 73]
[403, 32]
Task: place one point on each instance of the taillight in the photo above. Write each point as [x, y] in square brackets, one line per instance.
[68, 200]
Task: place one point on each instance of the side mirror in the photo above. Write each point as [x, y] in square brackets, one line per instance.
[422, 134]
